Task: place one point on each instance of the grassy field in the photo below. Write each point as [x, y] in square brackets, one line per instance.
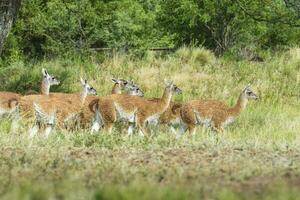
[258, 157]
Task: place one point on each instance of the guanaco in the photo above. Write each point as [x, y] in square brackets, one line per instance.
[214, 114]
[9, 100]
[120, 85]
[171, 117]
[62, 110]
[128, 87]
[24, 104]
[134, 109]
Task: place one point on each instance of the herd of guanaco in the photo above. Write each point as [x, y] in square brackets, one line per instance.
[126, 103]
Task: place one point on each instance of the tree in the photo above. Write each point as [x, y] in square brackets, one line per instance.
[8, 13]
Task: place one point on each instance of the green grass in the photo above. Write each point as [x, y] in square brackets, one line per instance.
[258, 157]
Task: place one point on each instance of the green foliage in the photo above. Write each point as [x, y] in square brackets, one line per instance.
[58, 28]
[73, 28]
[221, 25]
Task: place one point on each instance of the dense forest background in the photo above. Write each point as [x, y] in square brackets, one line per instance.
[55, 28]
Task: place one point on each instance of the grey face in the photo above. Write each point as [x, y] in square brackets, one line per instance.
[134, 90]
[249, 93]
[51, 80]
[89, 89]
[176, 90]
[129, 87]
[121, 82]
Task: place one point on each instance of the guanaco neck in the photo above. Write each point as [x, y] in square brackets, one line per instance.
[239, 107]
[116, 89]
[83, 96]
[45, 87]
[166, 98]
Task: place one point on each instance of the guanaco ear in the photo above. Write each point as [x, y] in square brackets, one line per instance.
[247, 87]
[167, 83]
[114, 80]
[83, 82]
[44, 72]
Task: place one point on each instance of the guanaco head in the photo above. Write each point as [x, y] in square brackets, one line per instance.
[121, 82]
[172, 87]
[87, 88]
[248, 93]
[129, 87]
[49, 79]
[134, 90]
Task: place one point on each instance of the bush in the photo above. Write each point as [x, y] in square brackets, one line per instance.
[183, 53]
[202, 56]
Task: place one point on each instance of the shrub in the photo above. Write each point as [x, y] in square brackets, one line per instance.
[202, 56]
[183, 53]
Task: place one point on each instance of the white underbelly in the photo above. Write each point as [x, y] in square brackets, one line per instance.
[228, 121]
[204, 121]
[71, 117]
[175, 122]
[3, 111]
[153, 120]
[122, 115]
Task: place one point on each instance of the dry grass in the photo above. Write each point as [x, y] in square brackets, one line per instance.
[256, 158]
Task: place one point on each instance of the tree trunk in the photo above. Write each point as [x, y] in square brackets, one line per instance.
[8, 13]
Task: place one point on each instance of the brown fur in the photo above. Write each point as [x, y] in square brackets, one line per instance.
[8, 100]
[73, 98]
[171, 114]
[62, 107]
[218, 112]
[88, 110]
[26, 108]
[12, 99]
[134, 105]
[65, 106]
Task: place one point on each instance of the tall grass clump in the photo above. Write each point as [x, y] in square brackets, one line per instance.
[202, 56]
[183, 54]
[195, 56]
